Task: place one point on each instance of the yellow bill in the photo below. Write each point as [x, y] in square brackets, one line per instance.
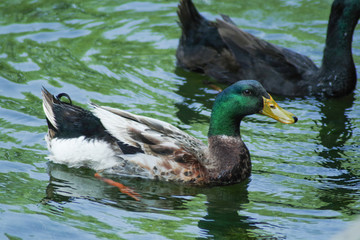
[273, 110]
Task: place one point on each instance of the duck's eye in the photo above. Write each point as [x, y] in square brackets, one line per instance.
[247, 92]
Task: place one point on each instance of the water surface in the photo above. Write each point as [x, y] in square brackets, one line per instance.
[305, 181]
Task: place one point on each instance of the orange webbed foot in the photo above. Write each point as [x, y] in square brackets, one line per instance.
[121, 187]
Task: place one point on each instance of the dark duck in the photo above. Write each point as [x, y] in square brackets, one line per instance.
[228, 54]
[120, 142]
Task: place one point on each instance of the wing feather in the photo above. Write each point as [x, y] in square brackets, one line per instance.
[155, 135]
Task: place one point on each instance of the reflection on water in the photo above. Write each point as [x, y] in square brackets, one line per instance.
[336, 129]
[219, 205]
[198, 98]
[223, 219]
[305, 180]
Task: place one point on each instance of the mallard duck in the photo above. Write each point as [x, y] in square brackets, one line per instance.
[125, 143]
[226, 53]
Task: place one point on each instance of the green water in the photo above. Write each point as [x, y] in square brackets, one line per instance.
[305, 181]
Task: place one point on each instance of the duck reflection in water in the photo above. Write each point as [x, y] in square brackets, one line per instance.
[336, 127]
[198, 98]
[336, 130]
[221, 205]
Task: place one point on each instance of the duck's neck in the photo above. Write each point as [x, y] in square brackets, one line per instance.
[229, 158]
[222, 123]
[337, 73]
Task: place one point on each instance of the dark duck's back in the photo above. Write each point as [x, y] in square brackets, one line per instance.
[223, 51]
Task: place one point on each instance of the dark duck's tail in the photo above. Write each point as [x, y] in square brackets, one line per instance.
[197, 32]
[190, 18]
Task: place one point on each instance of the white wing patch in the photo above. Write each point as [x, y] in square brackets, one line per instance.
[151, 122]
[117, 126]
[136, 131]
[120, 124]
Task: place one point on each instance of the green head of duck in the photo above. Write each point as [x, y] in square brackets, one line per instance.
[240, 99]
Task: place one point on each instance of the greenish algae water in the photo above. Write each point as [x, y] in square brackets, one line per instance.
[305, 182]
